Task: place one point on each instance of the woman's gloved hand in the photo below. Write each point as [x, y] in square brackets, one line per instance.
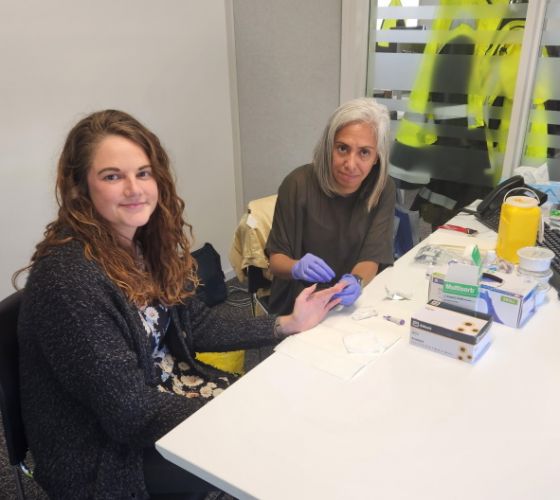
[312, 269]
[351, 291]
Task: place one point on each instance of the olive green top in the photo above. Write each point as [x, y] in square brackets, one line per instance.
[338, 229]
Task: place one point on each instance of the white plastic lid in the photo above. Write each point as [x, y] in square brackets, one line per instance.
[536, 259]
[522, 201]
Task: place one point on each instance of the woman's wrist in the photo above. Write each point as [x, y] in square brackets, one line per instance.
[281, 265]
[359, 279]
[284, 326]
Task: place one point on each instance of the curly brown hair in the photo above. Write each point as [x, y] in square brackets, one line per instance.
[169, 272]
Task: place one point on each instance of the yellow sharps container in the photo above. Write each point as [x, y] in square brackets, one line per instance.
[519, 225]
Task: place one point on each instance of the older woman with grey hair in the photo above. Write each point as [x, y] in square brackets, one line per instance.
[334, 218]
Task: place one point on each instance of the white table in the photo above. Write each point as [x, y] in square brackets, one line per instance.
[413, 425]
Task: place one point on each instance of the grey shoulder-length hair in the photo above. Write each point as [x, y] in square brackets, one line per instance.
[361, 110]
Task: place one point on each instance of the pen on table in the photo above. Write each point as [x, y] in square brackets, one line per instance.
[392, 319]
[461, 229]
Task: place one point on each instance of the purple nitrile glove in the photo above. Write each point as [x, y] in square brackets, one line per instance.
[313, 269]
[350, 292]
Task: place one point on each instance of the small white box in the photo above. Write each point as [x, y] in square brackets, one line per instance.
[450, 330]
[508, 298]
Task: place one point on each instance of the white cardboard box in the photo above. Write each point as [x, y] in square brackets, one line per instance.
[511, 301]
[450, 330]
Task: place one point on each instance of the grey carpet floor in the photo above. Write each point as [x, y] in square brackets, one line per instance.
[237, 305]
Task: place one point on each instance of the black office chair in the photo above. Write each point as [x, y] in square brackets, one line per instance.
[258, 287]
[247, 254]
[16, 443]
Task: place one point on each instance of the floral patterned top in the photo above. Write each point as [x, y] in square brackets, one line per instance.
[176, 377]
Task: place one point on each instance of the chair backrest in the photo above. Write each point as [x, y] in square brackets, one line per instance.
[256, 280]
[406, 230]
[248, 247]
[9, 379]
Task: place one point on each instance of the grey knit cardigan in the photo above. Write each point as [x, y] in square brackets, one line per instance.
[89, 394]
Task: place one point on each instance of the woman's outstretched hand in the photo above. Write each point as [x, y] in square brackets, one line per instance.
[310, 309]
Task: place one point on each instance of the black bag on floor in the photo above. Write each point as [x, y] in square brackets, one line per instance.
[212, 289]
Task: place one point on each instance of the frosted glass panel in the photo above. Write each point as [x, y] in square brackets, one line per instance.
[446, 71]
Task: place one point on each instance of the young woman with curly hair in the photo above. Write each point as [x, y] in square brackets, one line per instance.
[109, 324]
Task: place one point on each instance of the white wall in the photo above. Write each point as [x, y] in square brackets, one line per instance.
[164, 62]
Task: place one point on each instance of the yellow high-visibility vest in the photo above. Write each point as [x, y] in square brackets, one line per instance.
[495, 64]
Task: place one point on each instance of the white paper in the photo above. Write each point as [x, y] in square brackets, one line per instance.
[251, 221]
[369, 342]
[323, 348]
[363, 313]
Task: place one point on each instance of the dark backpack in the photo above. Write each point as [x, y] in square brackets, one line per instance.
[212, 289]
